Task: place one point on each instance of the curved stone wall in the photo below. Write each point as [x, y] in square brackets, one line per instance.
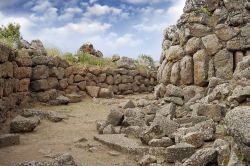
[209, 40]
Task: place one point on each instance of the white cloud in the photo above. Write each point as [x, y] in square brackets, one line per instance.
[44, 11]
[84, 27]
[113, 43]
[150, 28]
[98, 10]
[69, 13]
[41, 6]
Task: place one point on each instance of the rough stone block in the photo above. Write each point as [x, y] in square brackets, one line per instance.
[4, 53]
[6, 70]
[24, 85]
[39, 85]
[22, 72]
[121, 143]
[9, 140]
[93, 91]
[23, 59]
[179, 152]
[40, 72]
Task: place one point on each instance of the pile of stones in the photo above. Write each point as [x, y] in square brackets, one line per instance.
[187, 126]
[201, 115]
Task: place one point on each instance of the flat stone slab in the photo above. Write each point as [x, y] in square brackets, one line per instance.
[9, 140]
[193, 120]
[121, 143]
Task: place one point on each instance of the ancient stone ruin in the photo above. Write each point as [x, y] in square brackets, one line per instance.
[200, 117]
[29, 73]
[209, 40]
[196, 110]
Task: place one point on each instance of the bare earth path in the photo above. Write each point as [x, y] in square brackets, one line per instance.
[49, 138]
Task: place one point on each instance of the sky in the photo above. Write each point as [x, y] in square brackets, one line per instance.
[124, 27]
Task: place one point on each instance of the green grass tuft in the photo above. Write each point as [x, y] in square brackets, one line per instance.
[90, 60]
[54, 51]
[204, 9]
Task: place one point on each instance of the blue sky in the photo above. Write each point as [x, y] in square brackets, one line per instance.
[124, 27]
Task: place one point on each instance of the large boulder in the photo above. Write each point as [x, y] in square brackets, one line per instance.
[21, 124]
[38, 46]
[224, 64]
[4, 53]
[161, 126]
[240, 93]
[89, 48]
[193, 45]
[174, 53]
[237, 124]
[173, 91]
[243, 68]
[204, 157]
[159, 91]
[211, 43]
[125, 62]
[200, 67]
[93, 91]
[106, 93]
[179, 152]
[187, 70]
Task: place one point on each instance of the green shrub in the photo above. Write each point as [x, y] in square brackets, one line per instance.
[10, 34]
[204, 9]
[6, 42]
[145, 61]
[54, 51]
[89, 59]
[70, 57]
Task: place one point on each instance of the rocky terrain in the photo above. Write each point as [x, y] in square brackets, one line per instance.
[198, 114]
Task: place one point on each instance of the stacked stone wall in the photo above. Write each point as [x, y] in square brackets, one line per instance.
[15, 73]
[52, 76]
[26, 75]
[209, 40]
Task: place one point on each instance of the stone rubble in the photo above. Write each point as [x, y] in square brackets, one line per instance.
[200, 113]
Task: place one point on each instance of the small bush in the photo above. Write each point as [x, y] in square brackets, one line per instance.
[10, 34]
[145, 61]
[88, 59]
[70, 57]
[54, 51]
[6, 43]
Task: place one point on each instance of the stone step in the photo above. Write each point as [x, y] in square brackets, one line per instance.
[122, 143]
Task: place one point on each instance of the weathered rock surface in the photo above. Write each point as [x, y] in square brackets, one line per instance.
[121, 143]
[179, 152]
[9, 140]
[206, 156]
[60, 160]
[21, 124]
[237, 123]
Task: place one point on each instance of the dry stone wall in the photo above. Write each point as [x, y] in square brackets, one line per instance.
[209, 40]
[15, 73]
[52, 76]
[30, 74]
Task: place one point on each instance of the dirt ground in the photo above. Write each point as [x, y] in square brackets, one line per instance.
[49, 138]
